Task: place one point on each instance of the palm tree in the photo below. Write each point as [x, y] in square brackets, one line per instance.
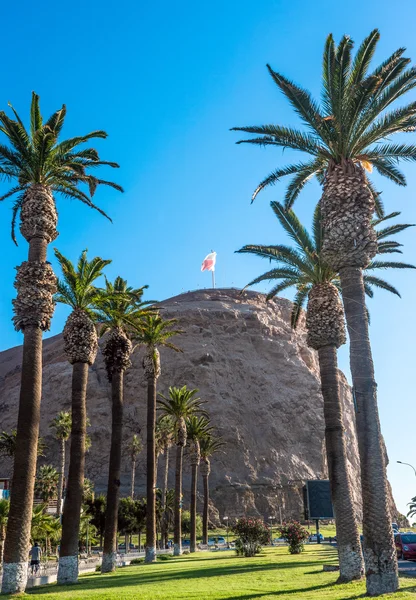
[155, 332]
[77, 290]
[41, 166]
[197, 428]
[302, 266]
[164, 439]
[134, 449]
[4, 512]
[412, 509]
[179, 405]
[208, 446]
[120, 312]
[46, 484]
[346, 135]
[62, 426]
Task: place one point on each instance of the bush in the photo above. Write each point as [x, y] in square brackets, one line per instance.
[251, 534]
[137, 561]
[295, 535]
[164, 557]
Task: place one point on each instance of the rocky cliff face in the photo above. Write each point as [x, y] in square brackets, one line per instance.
[260, 382]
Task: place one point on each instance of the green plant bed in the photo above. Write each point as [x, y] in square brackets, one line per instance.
[223, 576]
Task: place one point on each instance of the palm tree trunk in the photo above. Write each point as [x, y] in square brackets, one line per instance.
[2, 538]
[177, 536]
[61, 479]
[379, 550]
[205, 511]
[113, 488]
[151, 472]
[164, 525]
[24, 468]
[193, 507]
[33, 308]
[351, 562]
[68, 555]
[133, 473]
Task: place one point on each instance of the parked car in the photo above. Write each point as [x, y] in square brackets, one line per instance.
[396, 528]
[122, 546]
[405, 545]
[216, 541]
[186, 543]
[314, 537]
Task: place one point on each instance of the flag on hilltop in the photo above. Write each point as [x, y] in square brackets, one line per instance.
[208, 264]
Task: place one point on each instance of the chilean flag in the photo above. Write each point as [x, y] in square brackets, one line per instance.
[208, 264]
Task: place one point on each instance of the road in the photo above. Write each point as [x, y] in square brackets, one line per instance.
[407, 567]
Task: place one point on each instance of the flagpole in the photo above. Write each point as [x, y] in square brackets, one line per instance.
[213, 278]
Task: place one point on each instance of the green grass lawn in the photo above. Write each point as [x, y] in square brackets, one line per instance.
[222, 575]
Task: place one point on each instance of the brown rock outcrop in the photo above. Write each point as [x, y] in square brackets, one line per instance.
[260, 382]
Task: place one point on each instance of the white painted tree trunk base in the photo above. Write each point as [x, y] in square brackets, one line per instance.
[177, 549]
[109, 562]
[14, 577]
[67, 569]
[381, 581]
[150, 555]
[351, 564]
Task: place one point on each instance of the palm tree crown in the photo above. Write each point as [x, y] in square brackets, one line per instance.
[352, 121]
[210, 444]
[180, 404]
[198, 427]
[121, 306]
[77, 288]
[38, 157]
[62, 425]
[303, 266]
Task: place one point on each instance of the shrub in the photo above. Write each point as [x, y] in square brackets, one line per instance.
[251, 534]
[295, 535]
[164, 557]
[137, 561]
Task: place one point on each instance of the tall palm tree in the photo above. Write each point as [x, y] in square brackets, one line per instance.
[155, 332]
[165, 439]
[208, 446]
[77, 289]
[345, 136]
[303, 267]
[4, 512]
[40, 165]
[62, 426]
[180, 404]
[46, 483]
[197, 428]
[134, 448]
[120, 312]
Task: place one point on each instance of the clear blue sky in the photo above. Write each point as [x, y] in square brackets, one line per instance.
[167, 80]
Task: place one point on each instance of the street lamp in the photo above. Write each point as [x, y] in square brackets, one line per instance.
[411, 466]
[226, 522]
[271, 519]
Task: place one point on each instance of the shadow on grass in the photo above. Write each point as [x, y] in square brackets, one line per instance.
[312, 588]
[122, 578]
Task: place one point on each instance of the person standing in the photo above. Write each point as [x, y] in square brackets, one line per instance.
[35, 554]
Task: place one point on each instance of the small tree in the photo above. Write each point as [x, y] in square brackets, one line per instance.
[295, 535]
[46, 484]
[187, 526]
[251, 534]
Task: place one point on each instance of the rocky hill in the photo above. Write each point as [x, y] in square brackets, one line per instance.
[259, 379]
